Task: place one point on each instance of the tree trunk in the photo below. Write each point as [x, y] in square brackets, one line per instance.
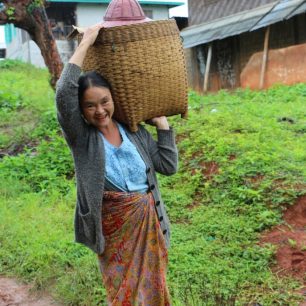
[30, 15]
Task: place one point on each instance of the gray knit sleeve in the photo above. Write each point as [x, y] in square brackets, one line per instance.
[163, 152]
[68, 110]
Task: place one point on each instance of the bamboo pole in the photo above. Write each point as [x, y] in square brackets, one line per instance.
[264, 58]
[207, 68]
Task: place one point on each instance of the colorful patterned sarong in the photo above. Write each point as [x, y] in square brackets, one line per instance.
[135, 259]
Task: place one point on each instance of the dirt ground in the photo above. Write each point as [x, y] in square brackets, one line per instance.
[14, 293]
[290, 239]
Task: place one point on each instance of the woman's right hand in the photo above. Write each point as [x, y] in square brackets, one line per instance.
[89, 37]
[90, 34]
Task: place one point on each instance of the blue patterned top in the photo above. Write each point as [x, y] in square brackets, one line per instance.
[124, 167]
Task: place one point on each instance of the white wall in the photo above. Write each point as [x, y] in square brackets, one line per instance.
[13, 49]
[2, 36]
[90, 14]
[30, 53]
[27, 51]
[179, 11]
[159, 12]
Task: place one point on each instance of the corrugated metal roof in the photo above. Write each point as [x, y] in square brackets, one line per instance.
[223, 27]
[279, 12]
[299, 10]
[242, 22]
[207, 10]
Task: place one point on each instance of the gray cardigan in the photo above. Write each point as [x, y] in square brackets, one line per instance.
[87, 150]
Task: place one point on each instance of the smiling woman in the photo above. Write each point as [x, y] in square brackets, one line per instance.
[119, 212]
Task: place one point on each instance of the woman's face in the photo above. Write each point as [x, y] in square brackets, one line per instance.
[98, 106]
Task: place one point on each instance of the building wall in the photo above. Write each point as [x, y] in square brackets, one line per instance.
[282, 35]
[89, 14]
[26, 50]
[231, 55]
[284, 66]
[9, 32]
[13, 49]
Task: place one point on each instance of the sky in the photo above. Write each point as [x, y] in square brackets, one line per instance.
[180, 10]
[177, 11]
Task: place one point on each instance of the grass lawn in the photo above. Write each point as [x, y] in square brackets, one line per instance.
[242, 159]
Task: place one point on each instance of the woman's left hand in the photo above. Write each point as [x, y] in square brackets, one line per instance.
[160, 122]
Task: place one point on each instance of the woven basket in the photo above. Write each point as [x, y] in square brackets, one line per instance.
[145, 65]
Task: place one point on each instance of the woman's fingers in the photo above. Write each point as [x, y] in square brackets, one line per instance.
[160, 122]
[91, 33]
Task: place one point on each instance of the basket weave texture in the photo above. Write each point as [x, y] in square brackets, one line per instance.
[145, 65]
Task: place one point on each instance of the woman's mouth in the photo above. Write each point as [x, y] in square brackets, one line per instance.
[101, 117]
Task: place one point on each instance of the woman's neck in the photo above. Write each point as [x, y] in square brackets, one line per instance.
[109, 129]
[112, 134]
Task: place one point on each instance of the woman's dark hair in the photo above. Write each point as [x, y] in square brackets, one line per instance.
[91, 79]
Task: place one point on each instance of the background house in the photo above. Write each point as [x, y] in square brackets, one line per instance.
[64, 14]
[233, 43]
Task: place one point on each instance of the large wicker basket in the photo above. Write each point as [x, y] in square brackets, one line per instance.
[145, 65]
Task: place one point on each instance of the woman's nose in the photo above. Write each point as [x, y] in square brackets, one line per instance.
[99, 109]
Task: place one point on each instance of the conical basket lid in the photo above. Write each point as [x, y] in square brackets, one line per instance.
[123, 12]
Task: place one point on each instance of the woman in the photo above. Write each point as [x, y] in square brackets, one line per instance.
[119, 213]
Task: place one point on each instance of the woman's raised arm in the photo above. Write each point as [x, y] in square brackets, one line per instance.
[88, 40]
[67, 102]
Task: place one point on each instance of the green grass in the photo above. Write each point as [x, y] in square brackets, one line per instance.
[215, 258]
[25, 93]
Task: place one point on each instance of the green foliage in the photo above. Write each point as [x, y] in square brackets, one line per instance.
[47, 166]
[241, 160]
[10, 101]
[10, 12]
[35, 4]
[25, 96]
[261, 163]
[43, 248]
[292, 243]
[13, 64]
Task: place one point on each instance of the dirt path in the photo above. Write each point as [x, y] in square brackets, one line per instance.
[14, 293]
[290, 239]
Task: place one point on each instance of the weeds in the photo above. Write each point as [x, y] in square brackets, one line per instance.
[217, 216]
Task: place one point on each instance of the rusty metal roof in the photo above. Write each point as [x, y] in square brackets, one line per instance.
[242, 22]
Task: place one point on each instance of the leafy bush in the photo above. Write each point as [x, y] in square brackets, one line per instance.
[10, 101]
[24, 95]
[13, 64]
[47, 166]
